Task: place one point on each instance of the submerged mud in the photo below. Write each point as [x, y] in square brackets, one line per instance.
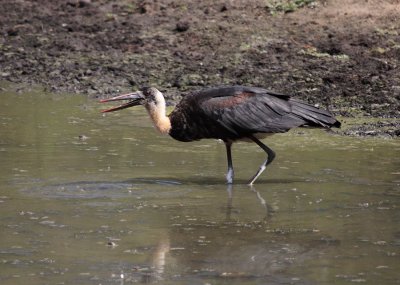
[91, 199]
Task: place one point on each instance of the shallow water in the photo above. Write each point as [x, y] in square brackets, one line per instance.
[87, 198]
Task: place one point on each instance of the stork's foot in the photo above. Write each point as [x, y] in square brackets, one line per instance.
[254, 178]
[229, 176]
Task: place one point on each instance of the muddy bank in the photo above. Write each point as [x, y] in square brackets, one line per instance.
[341, 54]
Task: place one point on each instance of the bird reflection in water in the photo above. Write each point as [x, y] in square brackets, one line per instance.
[158, 261]
[161, 258]
[267, 208]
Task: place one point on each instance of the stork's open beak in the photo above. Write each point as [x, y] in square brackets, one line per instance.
[135, 98]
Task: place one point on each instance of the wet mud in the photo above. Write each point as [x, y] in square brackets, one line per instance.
[343, 55]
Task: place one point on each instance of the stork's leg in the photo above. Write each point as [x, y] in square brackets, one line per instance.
[229, 205]
[230, 173]
[270, 158]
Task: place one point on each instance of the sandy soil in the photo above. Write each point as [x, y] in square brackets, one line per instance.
[342, 54]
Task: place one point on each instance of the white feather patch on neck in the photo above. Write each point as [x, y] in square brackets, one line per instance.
[160, 120]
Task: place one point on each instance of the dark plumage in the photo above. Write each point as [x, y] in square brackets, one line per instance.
[229, 113]
[232, 113]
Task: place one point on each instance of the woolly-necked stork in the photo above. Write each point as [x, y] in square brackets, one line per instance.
[230, 114]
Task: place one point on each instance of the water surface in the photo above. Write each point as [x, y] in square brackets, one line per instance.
[87, 198]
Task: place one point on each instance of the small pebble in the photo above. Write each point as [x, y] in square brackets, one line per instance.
[112, 244]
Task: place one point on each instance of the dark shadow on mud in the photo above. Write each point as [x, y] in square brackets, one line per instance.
[204, 180]
[107, 189]
[135, 187]
[139, 187]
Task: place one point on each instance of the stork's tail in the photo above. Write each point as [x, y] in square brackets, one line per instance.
[313, 116]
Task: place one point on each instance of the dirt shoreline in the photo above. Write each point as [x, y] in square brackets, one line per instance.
[341, 54]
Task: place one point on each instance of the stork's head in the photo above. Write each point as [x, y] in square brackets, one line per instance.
[149, 97]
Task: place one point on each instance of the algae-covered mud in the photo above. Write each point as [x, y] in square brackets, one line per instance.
[88, 198]
[341, 54]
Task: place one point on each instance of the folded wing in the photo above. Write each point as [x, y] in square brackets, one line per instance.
[246, 110]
